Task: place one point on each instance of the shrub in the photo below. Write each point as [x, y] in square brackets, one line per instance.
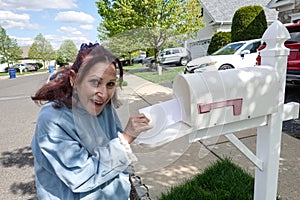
[218, 40]
[40, 65]
[248, 23]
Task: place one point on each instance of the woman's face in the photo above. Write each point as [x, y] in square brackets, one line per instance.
[97, 87]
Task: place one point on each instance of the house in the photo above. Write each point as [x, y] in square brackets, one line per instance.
[288, 10]
[217, 15]
[25, 50]
[25, 59]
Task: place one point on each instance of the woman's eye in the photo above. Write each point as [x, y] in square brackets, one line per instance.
[111, 84]
[94, 82]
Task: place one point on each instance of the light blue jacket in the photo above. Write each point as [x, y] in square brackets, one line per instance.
[79, 156]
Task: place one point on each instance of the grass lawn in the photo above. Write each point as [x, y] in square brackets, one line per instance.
[223, 180]
[134, 66]
[23, 73]
[168, 73]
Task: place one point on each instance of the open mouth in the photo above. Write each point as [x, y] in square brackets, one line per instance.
[97, 103]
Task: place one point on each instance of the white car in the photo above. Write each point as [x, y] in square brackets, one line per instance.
[234, 55]
[178, 56]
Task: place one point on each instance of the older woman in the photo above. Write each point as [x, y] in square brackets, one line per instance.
[80, 149]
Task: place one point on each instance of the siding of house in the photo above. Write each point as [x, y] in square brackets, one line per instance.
[288, 16]
[198, 47]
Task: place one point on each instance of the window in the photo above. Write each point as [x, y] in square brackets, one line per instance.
[175, 51]
[253, 47]
[295, 34]
[168, 52]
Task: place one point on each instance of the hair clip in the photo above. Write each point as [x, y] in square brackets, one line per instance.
[87, 46]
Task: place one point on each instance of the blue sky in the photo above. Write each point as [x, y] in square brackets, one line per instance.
[56, 20]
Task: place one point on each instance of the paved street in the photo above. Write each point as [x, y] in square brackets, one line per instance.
[18, 116]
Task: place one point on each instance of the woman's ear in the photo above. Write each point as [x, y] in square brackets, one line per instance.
[72, 77]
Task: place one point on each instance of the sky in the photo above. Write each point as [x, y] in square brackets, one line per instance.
[56, 20]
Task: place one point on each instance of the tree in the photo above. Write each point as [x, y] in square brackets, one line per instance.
[66, 53]
[41, 49]
[124, 43]
[152, 23]
[9, 49]
[248, 23]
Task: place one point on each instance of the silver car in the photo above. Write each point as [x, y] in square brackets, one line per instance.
[178, 56]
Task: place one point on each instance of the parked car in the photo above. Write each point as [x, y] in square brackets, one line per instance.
[148, 61]
[19, 67]
[293, 62]
[3, 67]
[178, 56]
[139, 59]
[34, 66]
[233, 55]
[25, 67]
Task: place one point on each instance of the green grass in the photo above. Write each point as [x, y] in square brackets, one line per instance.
[168, 74]
[23, 73]
[135, 66]
[223, 180]
[296, 136]
[17, 73]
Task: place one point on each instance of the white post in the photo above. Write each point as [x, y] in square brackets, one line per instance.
[159, 69]
[269, 136]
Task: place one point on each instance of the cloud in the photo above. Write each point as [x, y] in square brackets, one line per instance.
[56, 40]
[23, 41]
[37, 5]
[74, 17]
[70, 30]
[9, 20]
[87, 27]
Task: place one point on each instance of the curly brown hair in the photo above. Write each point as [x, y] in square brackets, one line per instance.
[59, 90]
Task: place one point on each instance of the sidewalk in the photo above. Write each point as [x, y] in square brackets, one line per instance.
[168, 165]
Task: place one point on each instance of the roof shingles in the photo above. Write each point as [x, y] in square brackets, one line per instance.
[223, 10]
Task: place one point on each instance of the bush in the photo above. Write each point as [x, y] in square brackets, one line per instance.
[218, 40]
[248, 23]
[40, 65]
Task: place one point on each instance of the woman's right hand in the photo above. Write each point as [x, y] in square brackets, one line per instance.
[135, 126]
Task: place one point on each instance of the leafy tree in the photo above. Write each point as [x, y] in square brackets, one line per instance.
[151, 23]
[249, 22]
[9, 49]
[41, 49]
[124, 43]
[66, 53]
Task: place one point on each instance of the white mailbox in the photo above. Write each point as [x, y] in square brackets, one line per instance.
[220, 97]
[222, 102]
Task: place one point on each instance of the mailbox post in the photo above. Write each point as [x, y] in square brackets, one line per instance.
[223, 102]
[268, 144]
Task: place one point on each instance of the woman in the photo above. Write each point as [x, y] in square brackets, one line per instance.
[80, 150]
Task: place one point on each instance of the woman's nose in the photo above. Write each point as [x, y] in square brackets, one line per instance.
[101, 91]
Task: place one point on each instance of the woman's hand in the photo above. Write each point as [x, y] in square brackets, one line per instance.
[135, 126]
